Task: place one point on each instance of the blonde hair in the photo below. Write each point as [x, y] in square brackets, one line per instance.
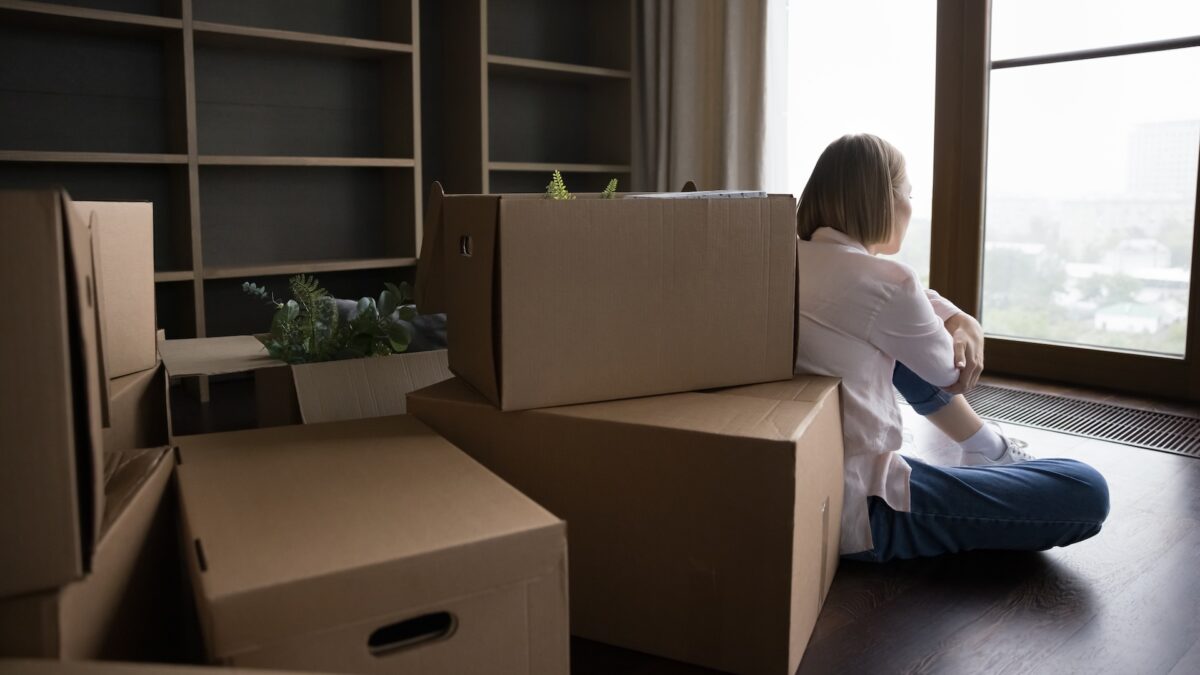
[853, 189]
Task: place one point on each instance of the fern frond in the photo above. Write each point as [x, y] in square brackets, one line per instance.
[557, 189]
[610, 190]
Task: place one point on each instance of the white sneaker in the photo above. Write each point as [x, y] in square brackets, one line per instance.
[1014, 452]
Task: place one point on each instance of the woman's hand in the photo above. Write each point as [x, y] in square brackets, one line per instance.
[968, 351]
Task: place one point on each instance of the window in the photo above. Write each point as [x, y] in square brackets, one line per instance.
[849, 67]
[1091, 176]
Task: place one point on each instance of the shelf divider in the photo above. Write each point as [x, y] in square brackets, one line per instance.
[208, 32]
[305, 267]
[565, 167]
[52, 15]
[286, 160]
[90, 157]
[516, 64]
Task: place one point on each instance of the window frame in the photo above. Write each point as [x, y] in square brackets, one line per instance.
[959, 188]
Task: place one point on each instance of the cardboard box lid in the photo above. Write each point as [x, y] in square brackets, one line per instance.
[679, 295]
[303, 528]
[126, 248]
[55, 394]
[214, 356]
[751, 412]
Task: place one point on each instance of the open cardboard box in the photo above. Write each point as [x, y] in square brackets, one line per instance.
[368, 546]
[557, 302]
[704, 526]
[55, 393]
[130, 605]
[311, 392]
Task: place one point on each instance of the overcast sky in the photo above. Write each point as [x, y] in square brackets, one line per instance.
[1056, 130]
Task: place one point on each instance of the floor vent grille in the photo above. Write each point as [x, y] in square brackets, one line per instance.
[1142, 428]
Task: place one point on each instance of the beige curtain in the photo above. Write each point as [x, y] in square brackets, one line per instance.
[699, 101]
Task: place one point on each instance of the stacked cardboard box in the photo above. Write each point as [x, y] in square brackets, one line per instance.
[704, 526]
[368, 546]
[88, 563]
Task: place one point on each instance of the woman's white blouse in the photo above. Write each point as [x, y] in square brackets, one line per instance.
[857, 315]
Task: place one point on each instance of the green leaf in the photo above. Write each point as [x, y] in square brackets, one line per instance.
[388, 302]
[408, 312]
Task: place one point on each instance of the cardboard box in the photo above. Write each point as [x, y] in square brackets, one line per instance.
[53, 393]
[138, 411]
[704, 526]
[311, 392]
[558, 302]
[47, 667]
[126, 252]
[129, 605]
[368, 546]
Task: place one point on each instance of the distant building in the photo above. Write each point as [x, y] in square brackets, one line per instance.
[1138, 254]
[1129, 317]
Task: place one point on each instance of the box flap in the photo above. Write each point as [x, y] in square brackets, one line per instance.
[430, 290]
[91, 386]
[657, 296]
[471, 312]
[304, 528]
[358, 388]
[102, 343]
[125, 244]
[214, 356]
[39, 495]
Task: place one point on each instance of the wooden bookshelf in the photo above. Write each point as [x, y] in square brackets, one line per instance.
[545, 86]
[273, 137]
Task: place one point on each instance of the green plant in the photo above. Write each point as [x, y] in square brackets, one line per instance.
[557, 189]
[308, 329]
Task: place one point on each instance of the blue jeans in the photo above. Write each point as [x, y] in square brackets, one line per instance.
[1030, 506]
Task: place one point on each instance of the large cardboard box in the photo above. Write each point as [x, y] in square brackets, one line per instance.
[53, 393]
[129, 606]
[556, 302]
[126, 253]
[369, 546]
[137, 411]
[704, 526]
[311, 392]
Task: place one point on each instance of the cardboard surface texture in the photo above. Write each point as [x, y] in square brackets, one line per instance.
[704, 526]
[356, 546]
[53, 394]
[48, 667]
[312, 392]
[126, 252]
[557, 302]
[138, 414]
[128, 606]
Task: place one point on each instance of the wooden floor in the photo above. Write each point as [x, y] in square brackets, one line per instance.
[1125, 602]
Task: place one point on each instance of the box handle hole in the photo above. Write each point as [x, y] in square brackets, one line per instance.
[464, 245]
[410, 633]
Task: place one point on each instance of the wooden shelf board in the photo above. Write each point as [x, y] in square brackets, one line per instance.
[50, 15]
[173, 275]
[552, 68]
[211, 33]
[90, 157]
[550, 167]
[306, 267]
[261, 160]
